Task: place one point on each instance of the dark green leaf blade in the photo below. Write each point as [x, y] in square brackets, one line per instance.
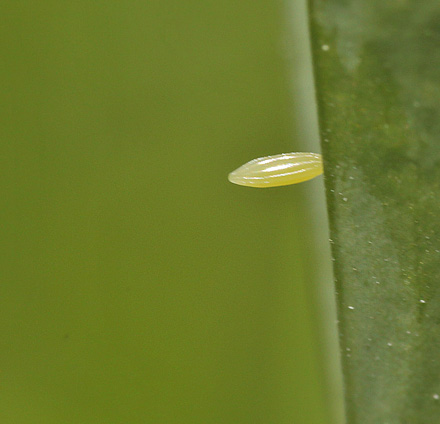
[377, 67]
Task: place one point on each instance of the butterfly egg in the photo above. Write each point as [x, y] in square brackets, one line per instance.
[278, 170]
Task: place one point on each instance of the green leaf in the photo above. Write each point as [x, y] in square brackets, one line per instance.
[377, 68]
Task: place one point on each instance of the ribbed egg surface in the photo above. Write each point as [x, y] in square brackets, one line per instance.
[278, 170]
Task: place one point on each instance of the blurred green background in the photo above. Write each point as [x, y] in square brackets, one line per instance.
[138, 285]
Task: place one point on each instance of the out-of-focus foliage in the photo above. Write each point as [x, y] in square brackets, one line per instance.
[138, 285]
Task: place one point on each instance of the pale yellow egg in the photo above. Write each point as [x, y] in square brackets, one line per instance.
[278, 170]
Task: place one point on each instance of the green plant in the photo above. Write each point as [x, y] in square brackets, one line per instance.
[378, 89]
